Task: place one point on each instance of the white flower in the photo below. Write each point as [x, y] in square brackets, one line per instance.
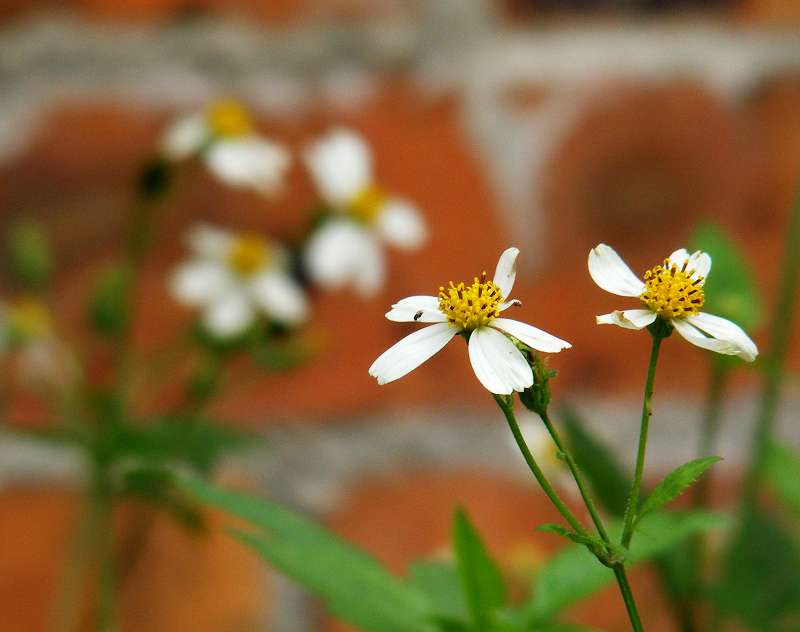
[346, 249]
[234, 277]
[474, 311]
[672, 291]
[223, 136]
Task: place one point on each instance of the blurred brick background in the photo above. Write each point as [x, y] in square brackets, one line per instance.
[475, 112]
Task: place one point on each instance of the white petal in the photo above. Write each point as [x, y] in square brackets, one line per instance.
[209, 242]
[229, 315]
[420, 309]
[497, 363]
[280, 297]
[418, 302]
[530, 335]
[250, 163]
[512, 303]
[410, 352]
[185, 137]
[400, 224]
[342, 253]
[699, 262]
[340, 165]
[200, 281]
[629, 318]
[611, 273]
[506, 271]
[727, 331]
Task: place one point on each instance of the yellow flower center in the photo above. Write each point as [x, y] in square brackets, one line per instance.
[366, 204]
[228, 119]
[30, 318]
[471, 306]
[671, 292]
[248, 254]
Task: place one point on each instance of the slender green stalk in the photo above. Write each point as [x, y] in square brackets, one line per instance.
[507, 406]
[627, 597]
[105, 619]
[647, 411]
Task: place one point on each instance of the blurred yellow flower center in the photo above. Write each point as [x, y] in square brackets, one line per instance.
[366, 205]
[30, 318]
[228, 119]
[671, 292]
[471, 306]
[248, 254]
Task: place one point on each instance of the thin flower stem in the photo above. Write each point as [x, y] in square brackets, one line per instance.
[508, 410]
[647, 411]
[627, 597]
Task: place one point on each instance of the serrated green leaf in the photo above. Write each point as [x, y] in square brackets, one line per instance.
[571, 535]
[675, 483]
[353, 585]
[609, 483]
[782, 470]
[441, 584]
[573, 574]
[730, 290]
[480, 577]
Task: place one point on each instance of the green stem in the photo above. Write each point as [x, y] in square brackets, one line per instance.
[647, 411]
[102, 499]
[507, 406]
[627, 597]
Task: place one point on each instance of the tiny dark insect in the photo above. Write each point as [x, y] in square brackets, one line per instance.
[418, 315]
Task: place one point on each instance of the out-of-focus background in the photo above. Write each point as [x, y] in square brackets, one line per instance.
[551, 126]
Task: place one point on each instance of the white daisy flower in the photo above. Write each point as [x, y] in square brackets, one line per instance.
[224, 138]
[234, 277]
[672, 291]
[346, 249]
[473, 311]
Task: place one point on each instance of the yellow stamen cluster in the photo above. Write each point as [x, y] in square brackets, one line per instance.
[228, 119]
[471, 306]
[366, 205]
[672, 292]
[248, 254]
[30, 318]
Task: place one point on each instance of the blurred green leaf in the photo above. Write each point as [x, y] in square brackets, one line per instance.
[609, 483]
[730, 290]
[109, 306]
[574, 573]
[675, 483]
[441, 584]
[782, 469]
[480, 577]
[353, 585]
[29, 255]
[761, 580]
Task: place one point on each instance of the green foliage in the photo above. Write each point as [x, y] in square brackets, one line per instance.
[353, 585]
[675, 483]
[574, 574]
[782, 470]
[481, 579]
[609, 483]
[441, 584]
[730, 288]
[29, 256]
[761, 580]
[109, 306]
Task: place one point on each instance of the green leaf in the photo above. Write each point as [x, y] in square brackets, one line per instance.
[574, 573]
[675, 483]
[782, 470]
[109, 307]
[761, 580]
[571, 535]
[353, 585]
[730, 290]
[609, 483]
[480, 577]
[441, 584]
[30, 259]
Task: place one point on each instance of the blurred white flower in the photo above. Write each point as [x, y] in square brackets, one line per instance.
[474, 311]
[672, 291]
[234, 277]
[346, 249]
[223, 136]
[544, 450]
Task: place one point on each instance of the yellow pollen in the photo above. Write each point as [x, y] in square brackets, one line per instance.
[30, 318]
[248, 255]
[471, 306]
[672, 292]
[366, 204]
[228, 119]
